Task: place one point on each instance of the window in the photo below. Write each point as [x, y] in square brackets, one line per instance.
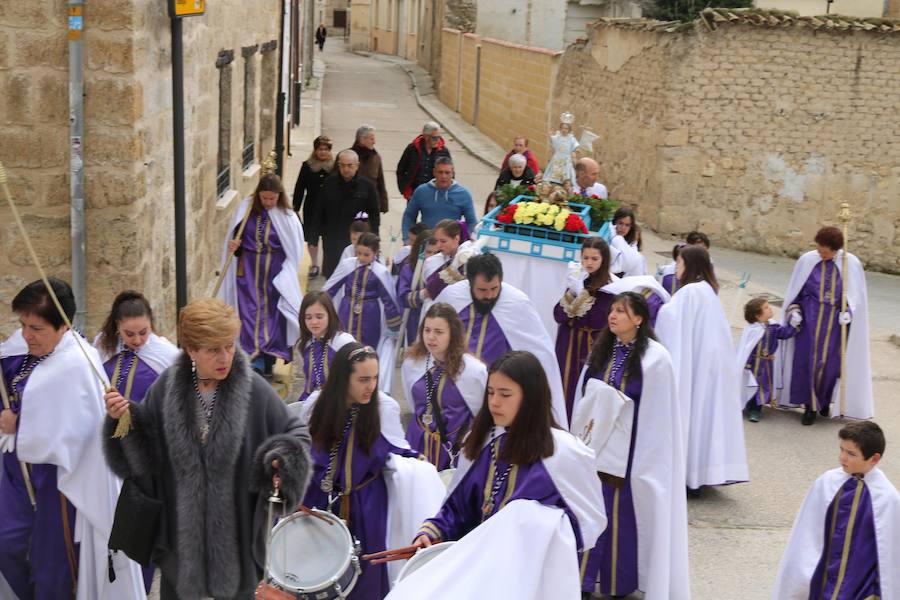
[248, 152]
[223, 160]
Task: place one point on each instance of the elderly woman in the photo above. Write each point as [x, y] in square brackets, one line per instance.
[370, 162]
[211, 435]
[517, 173]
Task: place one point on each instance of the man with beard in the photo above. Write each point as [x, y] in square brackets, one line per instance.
[498, 318]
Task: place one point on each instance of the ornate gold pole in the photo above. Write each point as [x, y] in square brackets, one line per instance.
[844, 217]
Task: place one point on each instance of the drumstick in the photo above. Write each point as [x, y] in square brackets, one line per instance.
[384, 556]
[306, 511]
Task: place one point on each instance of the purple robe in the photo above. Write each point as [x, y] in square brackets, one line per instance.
[848, 567]
[484, 336]
[263, 327]
[614, 559]
[434, 284]
[670, 283]
[363, 287]
[574, 340]
[425, 439]
[408, 298]
[364, 509]
[317, 357]
[761, 362]
[817, 353]
[38, 554]
[465, 507]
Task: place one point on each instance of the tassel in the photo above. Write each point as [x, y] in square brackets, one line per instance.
[123, 428]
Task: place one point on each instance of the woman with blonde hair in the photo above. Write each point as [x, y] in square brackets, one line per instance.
[213, 437]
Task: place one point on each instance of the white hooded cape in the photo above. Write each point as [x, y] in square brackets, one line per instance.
[804, 548]
[603, 420]
[471, 382]
[287, 282]
[628, 259]
[631, 283]
[517, 317]
[433, 263]
[694, 330]
[524, 552]
[60, 424]
[749, 339]
[859, 403]
[157, 352]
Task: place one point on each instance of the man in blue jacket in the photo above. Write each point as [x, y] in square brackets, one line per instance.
[439, 199]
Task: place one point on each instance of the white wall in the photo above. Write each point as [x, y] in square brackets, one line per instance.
[853, 8]
[510, 20]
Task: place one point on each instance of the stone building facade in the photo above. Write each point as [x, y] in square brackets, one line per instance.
[750, 125]
[230, 77]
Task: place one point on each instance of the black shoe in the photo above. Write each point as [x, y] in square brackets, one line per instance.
[826, 411]
[809, 417]
[755, 414]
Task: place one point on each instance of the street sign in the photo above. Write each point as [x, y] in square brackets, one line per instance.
[186, 8]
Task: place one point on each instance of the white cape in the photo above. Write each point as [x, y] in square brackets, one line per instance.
[632, 283]
[524, 552]
[657, 472]
[804, 548]
[749, 339]
[464, 252]
[287, 282]
[518, 318]
[470, 383]
[157, 352]
[629, 259]
[859, 403]
[60, 423]
[694, 330]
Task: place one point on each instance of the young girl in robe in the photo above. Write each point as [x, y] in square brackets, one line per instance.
[357, 228]
[443, 269]
[445, 386]
[666, 273]
[410, 285]
[366, 293]
[627, 244]
[321, 336]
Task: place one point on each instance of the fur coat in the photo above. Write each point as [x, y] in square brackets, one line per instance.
[211, 539]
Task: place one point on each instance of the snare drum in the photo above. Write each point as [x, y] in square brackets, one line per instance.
[421, 558]
[312, 558]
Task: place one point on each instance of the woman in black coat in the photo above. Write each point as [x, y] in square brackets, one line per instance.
[312, 175]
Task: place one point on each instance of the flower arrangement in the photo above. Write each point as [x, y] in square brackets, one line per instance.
[601, 210]
[541, 214]
[509, 192]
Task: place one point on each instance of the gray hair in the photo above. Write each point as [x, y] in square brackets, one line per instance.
[518, 160]
[351, 153]
[430, 127]
[443, 160]
[363, 131]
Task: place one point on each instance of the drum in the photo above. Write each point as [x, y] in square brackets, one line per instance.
[313, 557]
[421, 558]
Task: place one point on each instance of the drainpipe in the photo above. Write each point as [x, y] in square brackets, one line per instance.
[280, 105]
[76, 158]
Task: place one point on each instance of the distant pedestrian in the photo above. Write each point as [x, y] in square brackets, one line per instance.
[312, 175]
[418, 160]
[370, 162]
[440, 198]
[321, 34]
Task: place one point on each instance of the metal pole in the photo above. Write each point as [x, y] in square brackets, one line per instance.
[280, 103]
[178, 138]
[76, 159]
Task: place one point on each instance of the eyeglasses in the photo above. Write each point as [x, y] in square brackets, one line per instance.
[362, 353]
[435, 138]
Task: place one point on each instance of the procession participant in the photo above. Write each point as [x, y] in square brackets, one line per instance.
[560, 169]
[587, 171]
[418, 160]
[810, 364]
[499, 317]
[440, 198]
[449, 265]
[321, 336]
[411, 292]
[697, 238]
[517, 173]
[444, 386]
[365, 292]
[642, 470]
[370, 162]
[845, 542]
[403, 252]
[627, 242]
[263, 284]
[694, 329]
[351, 447]
[358, 227]
[515, 451]
[345, 195]
[666, 273]
[54, 483]
[309, 183]
[211, 434]
[520, 146]
[756, 354]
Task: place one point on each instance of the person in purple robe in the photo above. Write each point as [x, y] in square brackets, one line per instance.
[368, 293]
[410, 289]
[817, 353]
[321, 336]
[667, 277]
[484, 335]
[616, 360]
[38, 553]
[440, 272]
[581, 314]
[445, 386]
[760, 362]
[349, 452]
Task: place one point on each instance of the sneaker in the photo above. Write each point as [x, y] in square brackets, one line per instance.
[755, 414]
[809, 417]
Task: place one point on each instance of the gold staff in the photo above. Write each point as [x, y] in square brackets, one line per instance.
[844, 217]
[26, 475]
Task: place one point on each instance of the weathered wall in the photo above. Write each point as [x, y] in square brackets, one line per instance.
[752, 133]
[855, 8]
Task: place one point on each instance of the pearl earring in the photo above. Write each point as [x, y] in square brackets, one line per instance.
[193, 366]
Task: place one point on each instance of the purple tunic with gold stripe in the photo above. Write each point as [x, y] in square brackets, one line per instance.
[408, 298]
[762, 359]
[817, 353]
[426, 439]
[484, 336]
[317, 357]
[361, 304]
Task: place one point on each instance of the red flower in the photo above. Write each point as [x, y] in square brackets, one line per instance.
[596, 197]
[507, 214]
[531, 188]
[574, 224]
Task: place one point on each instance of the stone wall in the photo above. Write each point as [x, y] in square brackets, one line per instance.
[750, 126]
[127, 142]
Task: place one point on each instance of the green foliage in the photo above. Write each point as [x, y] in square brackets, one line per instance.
[508, 192]
[601, 210]
[687, 10]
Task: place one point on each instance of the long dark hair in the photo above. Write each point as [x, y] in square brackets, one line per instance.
[127, 305]
[600, 277]
[621, 213]
[603, 347]
[530, 438]
[270, 183]
[423, 240]
[697, 267]
[453, 361]
[326, 425]
[334, 321]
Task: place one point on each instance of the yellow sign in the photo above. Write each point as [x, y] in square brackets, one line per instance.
[187, 8]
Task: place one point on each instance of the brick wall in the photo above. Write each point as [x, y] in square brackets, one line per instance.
[448, 85]
[752, 133]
